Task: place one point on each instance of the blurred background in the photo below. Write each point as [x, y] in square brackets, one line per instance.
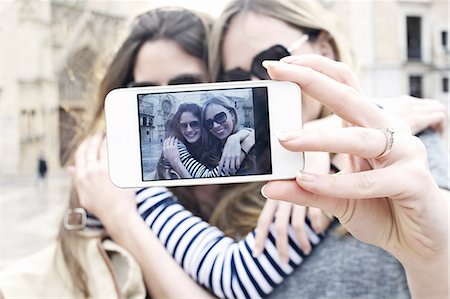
[54, 52]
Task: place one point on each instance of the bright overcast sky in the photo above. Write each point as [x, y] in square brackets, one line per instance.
[212, 7]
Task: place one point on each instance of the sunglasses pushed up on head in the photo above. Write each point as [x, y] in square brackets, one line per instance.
[275, 52]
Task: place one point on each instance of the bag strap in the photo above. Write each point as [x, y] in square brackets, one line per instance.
[110, 267]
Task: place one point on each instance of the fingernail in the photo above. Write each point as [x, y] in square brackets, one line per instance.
[262, 191]
[318, 226]
[306, 176]
[256, 252]
[288, 59]
[307, 251]
[288, 135]
[284, 260]
[342, 171]
[271, 63]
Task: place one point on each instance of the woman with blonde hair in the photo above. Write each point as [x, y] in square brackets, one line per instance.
[238, 47]
[193, 152]
[219, 263]
[152, 41]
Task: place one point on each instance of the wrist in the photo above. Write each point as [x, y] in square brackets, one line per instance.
[178, 166]
[428, 278]
[427, 270]
[116, 217]
[121, 224]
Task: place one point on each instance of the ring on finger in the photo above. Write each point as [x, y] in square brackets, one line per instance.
[389, 134]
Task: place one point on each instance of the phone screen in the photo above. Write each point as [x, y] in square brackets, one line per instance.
[204, 134]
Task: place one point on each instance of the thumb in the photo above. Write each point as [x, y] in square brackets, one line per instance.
[290, 191]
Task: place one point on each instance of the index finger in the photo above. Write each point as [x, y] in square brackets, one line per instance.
[342, 99]
[339, 72]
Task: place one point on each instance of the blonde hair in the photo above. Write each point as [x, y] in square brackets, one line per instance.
[300, 14]
[242, 206]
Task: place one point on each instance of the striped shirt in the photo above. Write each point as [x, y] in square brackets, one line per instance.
[223, 265]
[194, 167]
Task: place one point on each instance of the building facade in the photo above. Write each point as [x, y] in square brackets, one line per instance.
[55, 52]
[401, 46]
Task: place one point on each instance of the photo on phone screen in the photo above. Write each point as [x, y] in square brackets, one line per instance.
[204, 134]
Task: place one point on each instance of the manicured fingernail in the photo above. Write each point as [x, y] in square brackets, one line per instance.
[318, 226]
[306, 176]
[256, 252]
[262, 191]
[271, 63]
[287, 136]
[307, 251]
[289, 59]
[284, 260]
[342, 171]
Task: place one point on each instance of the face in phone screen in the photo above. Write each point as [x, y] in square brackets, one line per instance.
[204, 134]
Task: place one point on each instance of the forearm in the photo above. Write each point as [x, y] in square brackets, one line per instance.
[428, 274]
[181, 169]
[193, 168]
[429, 280]
[247, 145]
[242, 134]
[159, 268]
[210, 257]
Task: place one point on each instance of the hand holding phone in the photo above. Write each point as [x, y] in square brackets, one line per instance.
[202, 133]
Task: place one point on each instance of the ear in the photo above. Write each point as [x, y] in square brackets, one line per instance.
[324, 44]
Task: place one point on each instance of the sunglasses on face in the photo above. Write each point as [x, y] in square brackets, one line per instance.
[257, 70]
[182, 79]
[219, 118]
[193, 124]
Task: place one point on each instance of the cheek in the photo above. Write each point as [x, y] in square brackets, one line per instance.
[310, 108]
[230, 123]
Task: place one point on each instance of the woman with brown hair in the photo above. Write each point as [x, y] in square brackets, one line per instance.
[217, 262]
[154, 43]
[177, 33]
[187, 150]
[195, 244]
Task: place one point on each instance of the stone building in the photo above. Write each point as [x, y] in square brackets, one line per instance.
[54, 52]
[401, 45]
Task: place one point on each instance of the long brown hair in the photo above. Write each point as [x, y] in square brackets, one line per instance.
[189, 30]
[237, 215]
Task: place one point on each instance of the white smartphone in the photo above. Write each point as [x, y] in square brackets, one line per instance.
[212, 133]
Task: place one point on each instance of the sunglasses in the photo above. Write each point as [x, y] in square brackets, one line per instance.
[219, 118]
[193, 124]
[182, 79]
[257, 70]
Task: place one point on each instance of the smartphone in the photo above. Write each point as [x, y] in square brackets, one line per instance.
[197, 134]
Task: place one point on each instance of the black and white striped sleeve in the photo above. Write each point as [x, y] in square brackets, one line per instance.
[194, 167]
[218, 262]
